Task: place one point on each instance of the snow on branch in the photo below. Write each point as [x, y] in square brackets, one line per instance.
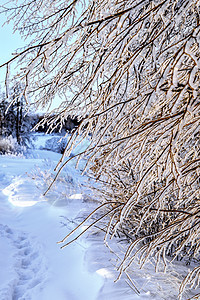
[130, 71]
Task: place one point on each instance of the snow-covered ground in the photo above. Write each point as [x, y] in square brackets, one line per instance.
[32, 265]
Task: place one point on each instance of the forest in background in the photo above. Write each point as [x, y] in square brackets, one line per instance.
[18, 122]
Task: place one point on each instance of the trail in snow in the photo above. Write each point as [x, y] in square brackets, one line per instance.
[32, 266]
[29, 265]
[32, 224]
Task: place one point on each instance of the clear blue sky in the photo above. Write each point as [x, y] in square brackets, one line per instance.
[9, 43]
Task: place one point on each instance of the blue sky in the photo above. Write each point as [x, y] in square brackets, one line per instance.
[9, 43]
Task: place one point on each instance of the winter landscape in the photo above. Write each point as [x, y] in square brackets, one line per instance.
[100, 150]
[32, 264]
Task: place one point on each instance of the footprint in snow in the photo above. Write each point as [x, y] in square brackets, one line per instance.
[30, 265]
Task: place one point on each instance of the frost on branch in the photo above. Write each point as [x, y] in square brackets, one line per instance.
[130, 71]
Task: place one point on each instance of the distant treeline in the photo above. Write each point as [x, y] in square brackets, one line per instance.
[17, 122]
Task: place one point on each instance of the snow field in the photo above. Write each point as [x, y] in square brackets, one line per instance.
[32, 265]
[36, 268]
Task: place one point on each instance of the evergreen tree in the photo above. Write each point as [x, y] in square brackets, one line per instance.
[15, 121]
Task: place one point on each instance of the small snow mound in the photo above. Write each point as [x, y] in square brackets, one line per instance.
[18, 192]
[105, 273]
[76, 196]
